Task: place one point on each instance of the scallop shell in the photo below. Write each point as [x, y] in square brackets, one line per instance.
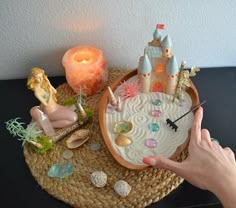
[122, 188]
[98, 178]
[78, 138]
[122, 140]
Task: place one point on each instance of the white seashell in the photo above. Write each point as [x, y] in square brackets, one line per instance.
[122, 188]
[112, 96]
[98, 178]
[78, 138]
[118, 107]
[82, 111]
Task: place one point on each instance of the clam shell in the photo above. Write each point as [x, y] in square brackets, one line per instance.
[122, 140]
[122, 127]
[78, 138]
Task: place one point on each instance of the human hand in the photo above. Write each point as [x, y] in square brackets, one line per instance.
[208, 165]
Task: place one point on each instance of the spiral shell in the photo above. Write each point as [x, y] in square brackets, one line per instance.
[98, 178]
[78, 138]
[122, 188]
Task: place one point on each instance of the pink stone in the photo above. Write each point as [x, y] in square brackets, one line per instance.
[156, 113]
[150, 143]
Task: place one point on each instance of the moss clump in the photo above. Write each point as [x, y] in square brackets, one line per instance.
[69, 102]
[89, 113]
[46, 145]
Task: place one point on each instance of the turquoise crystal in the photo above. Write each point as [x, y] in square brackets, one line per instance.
[156, 102]
[215, 140]
[153, 127]
[95, 146]
[59, 170]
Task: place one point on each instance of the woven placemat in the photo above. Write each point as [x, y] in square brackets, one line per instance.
[148, 186]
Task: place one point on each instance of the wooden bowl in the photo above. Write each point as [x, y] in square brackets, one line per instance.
[102, 121]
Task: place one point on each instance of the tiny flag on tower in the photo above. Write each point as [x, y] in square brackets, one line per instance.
[160, 26]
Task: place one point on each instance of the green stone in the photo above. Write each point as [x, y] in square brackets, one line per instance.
[156, 102]
[215, 140]
[59, 170]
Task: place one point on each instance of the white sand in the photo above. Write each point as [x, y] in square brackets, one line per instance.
[138, 111]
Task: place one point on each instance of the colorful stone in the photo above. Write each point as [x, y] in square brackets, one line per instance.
[156, 102]
[95, 146]
[122, 140]
[150, 143]
[156, 113]
[154, 127]
[215, 140]
[110, 109]
[67, 154]
[123, 127]
[59, 170]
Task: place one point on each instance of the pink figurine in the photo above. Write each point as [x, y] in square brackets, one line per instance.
[49, 112]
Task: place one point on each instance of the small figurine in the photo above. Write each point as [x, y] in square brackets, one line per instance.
[183, 81]
[58, 115]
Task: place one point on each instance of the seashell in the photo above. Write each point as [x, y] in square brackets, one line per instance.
[98, 178]
[122, 127]
[122, 140]
[112, 96]
[82, 112]
[122, 188]
[118, 107]
[78, 138]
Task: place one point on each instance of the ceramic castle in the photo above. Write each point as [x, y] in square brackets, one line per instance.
[158, 69]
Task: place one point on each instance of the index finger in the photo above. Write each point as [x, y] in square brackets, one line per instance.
[196, 127]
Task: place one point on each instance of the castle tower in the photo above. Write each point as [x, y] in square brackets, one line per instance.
[166, 45]
[145, 74]
[172, 71]
[156, 42]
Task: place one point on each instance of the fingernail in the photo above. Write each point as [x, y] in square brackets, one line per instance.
[149, 161]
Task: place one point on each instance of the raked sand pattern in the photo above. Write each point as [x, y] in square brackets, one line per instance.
[138, 110]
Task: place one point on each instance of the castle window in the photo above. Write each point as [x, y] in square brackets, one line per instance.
[172, 76]
[167, 50]
[159, 68]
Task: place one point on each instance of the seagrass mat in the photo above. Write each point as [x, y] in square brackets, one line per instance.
[148, 186]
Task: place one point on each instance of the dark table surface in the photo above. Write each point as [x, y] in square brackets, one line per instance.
[18, 187]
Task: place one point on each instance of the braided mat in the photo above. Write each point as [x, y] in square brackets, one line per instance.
[148, 186]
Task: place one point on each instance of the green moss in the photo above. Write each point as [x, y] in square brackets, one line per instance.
[69, 102]
[89, 113]
[46, 145]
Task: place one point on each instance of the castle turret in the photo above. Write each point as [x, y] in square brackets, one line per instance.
[156, 42]
[166, 45]
[172, 71]
[145, 74]
[157, 34]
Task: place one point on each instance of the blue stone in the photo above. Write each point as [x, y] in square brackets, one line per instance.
[95, 146]
[59, 170]
[153, 127]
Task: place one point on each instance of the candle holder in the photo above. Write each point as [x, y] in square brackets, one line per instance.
[85, 68]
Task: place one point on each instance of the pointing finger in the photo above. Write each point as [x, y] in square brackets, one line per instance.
[196, 127]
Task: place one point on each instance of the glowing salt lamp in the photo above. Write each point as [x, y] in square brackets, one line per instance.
[85, 67]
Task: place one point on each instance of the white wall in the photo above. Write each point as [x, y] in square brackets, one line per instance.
[38, 32]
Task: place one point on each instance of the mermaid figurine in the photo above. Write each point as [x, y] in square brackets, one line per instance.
[49, 114]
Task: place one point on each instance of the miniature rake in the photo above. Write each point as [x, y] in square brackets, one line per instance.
[172, 123]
